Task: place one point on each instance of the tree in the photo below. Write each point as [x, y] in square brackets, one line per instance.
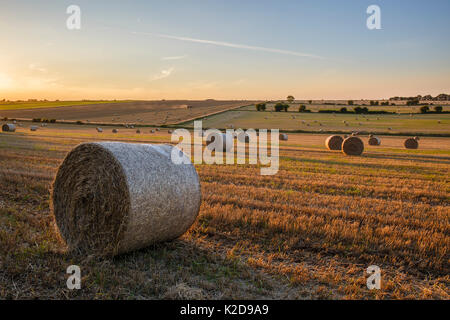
[310, 101]
[290, 99]
[286, 107]
[424, 109]
[279, 106]
[350, 102]
[343, 110]
[261, 106]
[302, 108]
[438, 109]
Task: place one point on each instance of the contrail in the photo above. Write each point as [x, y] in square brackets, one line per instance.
[232, 45]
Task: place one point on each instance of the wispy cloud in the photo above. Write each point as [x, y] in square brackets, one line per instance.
[162, 74]
[174, 57]
[36, 67]
[232, 45]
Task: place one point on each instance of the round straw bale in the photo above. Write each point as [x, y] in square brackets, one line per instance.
[99, 129]
[225, 140]
[353, 146]
[33, 128]
[334, 142]
[152, 131]
[416, 138]
[114, 130]
[411, 143]
[138, 131]
[283, 136]
[374, 141]
[111, 197]
[8, 127]
[169, 131]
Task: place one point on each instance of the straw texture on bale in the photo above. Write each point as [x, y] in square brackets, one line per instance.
[283, 136]
[225, 140]
[374, 141]
[334, 142]
[110, 197]
[8, 127]
[411, 143]
[353, 146]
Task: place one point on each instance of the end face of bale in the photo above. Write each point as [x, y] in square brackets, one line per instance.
[90, 200]
[334, 142]
[374, 141]
[411, 143]
[353, 146]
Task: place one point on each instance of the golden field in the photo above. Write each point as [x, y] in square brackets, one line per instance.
[309, 232]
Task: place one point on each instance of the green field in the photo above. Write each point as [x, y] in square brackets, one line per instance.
[51, 104]
[315, 107]
[317, 122]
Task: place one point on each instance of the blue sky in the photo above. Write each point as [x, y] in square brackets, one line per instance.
[223, 49]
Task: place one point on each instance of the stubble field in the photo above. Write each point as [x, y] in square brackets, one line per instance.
[309, 232]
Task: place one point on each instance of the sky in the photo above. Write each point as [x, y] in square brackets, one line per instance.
[246, 49]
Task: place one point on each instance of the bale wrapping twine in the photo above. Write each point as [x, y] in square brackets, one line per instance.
[374, 141]
[353, 146]
[8, 127]
[334, 142]
[112, 197]
[411, 143]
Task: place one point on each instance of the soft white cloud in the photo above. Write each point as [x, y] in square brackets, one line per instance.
[162, 74]
[174, 57]
[36, 67]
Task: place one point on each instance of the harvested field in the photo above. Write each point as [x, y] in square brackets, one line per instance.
[142, 112]
[308, 232]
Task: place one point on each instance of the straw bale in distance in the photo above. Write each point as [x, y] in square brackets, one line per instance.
[334, 142]
[411, 143]
[353, 146]
[374, 141]
[8, 127]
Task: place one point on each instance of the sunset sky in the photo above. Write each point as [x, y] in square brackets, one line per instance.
[198, 49]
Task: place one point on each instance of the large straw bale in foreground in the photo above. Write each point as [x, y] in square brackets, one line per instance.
[353, 146]
[8, 127]
[334, 142]
[112, 197]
